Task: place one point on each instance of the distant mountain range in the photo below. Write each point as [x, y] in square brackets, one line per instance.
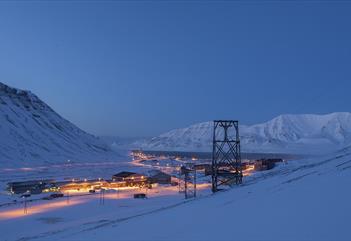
[31, 133]
[305, 133]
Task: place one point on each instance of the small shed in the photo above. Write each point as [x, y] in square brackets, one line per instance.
[140, 195]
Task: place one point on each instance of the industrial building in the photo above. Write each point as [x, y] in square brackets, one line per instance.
[159, 177]
[121, 176]
[130, 178]
[34, 186]
[266, 164]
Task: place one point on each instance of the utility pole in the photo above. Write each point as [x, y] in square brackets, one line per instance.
[102, 197]
[188, 177]
[25, 205]
[67, 197]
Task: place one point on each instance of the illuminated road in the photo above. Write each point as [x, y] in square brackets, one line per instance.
[76, 198]
[49, 217]
[82, 196]
[18, 212]
[83, 210]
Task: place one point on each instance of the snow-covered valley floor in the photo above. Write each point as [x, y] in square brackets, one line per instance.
[300, 200]
[69, 171]
[64, 219]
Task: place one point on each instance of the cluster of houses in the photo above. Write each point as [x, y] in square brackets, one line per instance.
[257, 165]
[123, 179]
[119, 180]
[132, 178]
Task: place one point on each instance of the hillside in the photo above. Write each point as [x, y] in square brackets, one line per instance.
[298, 200]
[286, 133]
[31, 133]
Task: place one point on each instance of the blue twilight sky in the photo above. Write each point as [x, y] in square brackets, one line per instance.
[139, 68]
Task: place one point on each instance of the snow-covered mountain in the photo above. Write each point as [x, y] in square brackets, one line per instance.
[31, 133]
[305, 133]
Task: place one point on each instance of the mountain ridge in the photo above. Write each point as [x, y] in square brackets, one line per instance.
[302, 133]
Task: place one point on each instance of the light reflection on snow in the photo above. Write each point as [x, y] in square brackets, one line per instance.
[38, 168]
[120, 193]
[38, 208]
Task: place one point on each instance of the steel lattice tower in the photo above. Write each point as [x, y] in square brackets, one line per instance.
[226, 155]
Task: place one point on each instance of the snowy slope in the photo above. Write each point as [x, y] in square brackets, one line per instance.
[31, 133]
[299, 200]
[286, 133]
[307, 202]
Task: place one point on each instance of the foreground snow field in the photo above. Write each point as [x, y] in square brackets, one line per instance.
[300, 200]
[303, 201]
[64, 219]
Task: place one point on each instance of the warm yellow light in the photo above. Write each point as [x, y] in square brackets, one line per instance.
[17, 213]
